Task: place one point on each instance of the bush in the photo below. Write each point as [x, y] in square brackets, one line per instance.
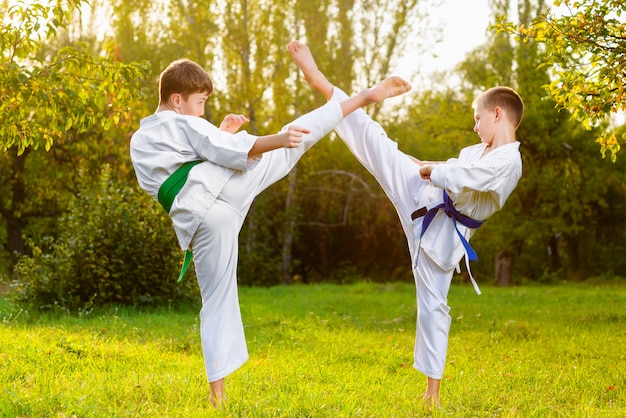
[115, 246]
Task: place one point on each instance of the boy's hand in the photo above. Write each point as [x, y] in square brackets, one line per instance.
[294, 136]
[425, 171]
[232, 123]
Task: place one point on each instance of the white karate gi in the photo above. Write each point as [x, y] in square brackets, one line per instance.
[478, 187]
[210, 209]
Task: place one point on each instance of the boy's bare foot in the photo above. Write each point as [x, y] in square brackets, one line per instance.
[431, 401]
[389, 87]
[431, 396]
[217, 401]
[303, 58]
[218, 396]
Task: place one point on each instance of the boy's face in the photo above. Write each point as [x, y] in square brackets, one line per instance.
[193, 105]
[484, 123]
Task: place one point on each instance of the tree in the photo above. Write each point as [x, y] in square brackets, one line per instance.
[555, 216]
[55, 92]
[585, 44]
[113, 247]
[46, 92]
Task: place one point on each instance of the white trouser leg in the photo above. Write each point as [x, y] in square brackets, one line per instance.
[215, 254]
[320, 122]
[215, 245]
[243, 187]
[399, 177]
[433, 318]
[397, 174]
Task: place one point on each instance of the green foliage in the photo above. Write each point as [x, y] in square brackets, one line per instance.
[346, 222]
[59, 92]
[65, 105]
[43, 96]
[259, 243]
[115, 245]
[554, 223]
[586, 54]
[343, 223]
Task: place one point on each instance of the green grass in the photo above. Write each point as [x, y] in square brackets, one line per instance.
[328, 351]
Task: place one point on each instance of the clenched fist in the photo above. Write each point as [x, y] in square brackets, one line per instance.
[293, 136]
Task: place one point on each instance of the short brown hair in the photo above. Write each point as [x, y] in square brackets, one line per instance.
[504, 97]
[184, 77]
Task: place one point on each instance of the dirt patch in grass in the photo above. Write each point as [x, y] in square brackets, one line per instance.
[4, 288]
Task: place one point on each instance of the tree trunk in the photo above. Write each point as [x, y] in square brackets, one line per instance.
[15, 243]
[13, 209]
[504, 264]
[290, 225]
[553, 252]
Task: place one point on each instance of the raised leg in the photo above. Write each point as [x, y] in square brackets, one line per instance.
[302, 56]
[390, 87]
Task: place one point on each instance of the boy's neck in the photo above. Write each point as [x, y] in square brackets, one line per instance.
[504, 137]
[162, 108]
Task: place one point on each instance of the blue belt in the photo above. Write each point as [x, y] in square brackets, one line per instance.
[450, 210]
[456, 216]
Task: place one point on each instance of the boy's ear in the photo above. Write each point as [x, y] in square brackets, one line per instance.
[175, 100]
[499, 112]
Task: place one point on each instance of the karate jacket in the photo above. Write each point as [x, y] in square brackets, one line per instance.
[479, 187]
[165, 141]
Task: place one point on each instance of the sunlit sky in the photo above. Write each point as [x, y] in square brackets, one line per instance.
[464, 26]
[463, 23]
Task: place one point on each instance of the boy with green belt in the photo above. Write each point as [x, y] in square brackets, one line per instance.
[208, 201]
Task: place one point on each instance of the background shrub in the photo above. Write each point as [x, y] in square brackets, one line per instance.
[115, 246]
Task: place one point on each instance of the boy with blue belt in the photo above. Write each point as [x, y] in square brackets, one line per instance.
[440, 204]
[207, 178]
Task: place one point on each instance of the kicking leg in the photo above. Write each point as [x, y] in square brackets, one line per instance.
[390, 87]
[302, 56]
[394, 170]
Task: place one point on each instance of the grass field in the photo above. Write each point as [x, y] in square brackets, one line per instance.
[328, 351]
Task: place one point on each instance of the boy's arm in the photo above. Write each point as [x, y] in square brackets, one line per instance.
[290, 138]
[423, 163]
[426, 167]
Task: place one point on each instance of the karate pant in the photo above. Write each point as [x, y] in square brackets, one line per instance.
[399, 177]
[215, 246]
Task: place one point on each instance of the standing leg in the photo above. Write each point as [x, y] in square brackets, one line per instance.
[215, 252]
[433, 322]
[399, 177]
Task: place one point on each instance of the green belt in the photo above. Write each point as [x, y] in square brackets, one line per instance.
[167, 193]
